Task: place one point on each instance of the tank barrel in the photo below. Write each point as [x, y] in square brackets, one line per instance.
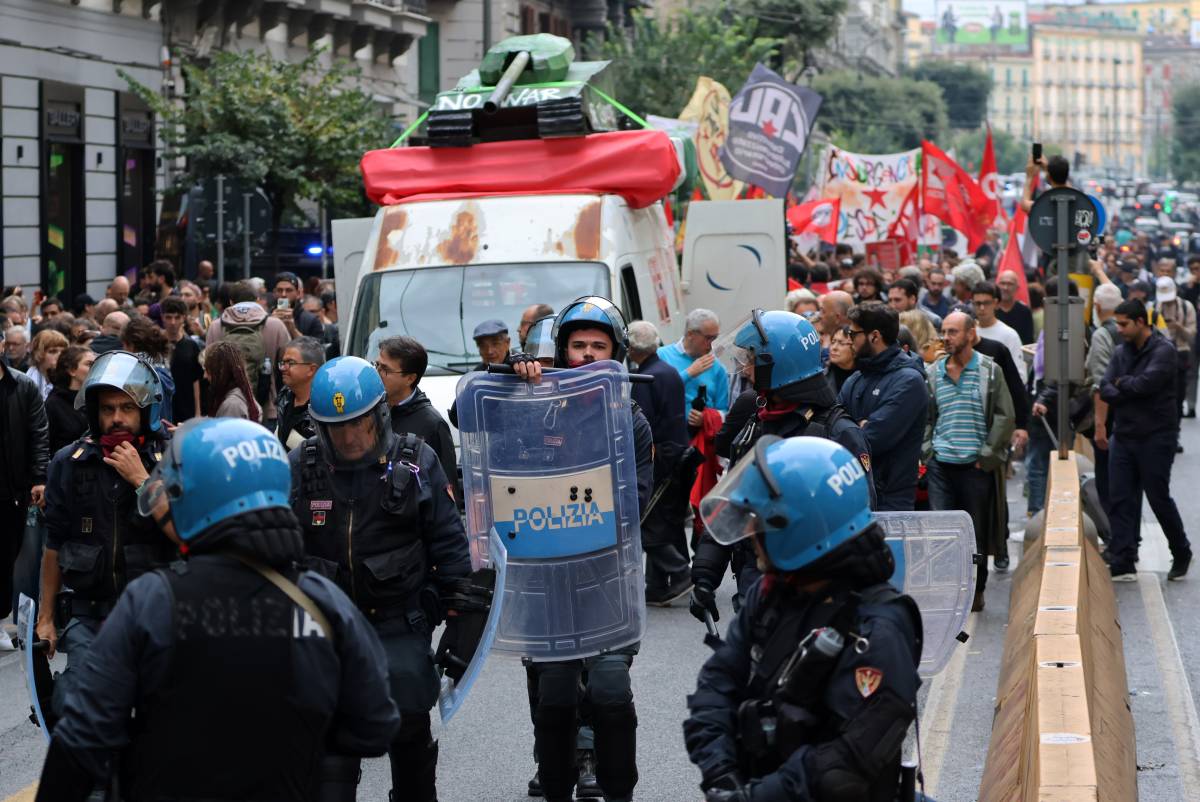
[505, 84]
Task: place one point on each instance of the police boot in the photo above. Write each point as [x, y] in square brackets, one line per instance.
[554, 733]
[413, 755]
[587, 787]
[616, 749]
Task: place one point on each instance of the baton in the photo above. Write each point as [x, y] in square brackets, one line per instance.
[507, 370]
[713, 639]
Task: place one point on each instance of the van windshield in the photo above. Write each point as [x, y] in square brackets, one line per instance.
[439, 307]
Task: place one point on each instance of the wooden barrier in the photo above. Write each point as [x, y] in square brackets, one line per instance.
[1062, 729]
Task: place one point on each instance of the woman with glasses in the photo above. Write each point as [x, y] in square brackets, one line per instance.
[841, 359]
[297, 368]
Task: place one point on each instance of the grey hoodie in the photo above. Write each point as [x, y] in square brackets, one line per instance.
[275, 338]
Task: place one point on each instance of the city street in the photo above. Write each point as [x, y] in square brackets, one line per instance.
[486, 753]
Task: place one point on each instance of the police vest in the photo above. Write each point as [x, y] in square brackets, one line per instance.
[793, 688]
[807, 422]
[109, 544]
[369, 541]
[236, 717]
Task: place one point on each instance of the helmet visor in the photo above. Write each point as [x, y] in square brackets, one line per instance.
[729, 510]
[164, 483]
[122, 371]
[358, 441]
[539, 341]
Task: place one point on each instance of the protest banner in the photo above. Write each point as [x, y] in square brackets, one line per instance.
[872, 189]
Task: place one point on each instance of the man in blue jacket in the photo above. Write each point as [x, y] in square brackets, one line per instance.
[888, 398]
[1139, 388]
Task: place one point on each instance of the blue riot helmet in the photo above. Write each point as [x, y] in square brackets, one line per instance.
[539, 341]
[131, 374]
[783, 347]
[214, 469]
[348, 404]
[589, 312]
[804, 496]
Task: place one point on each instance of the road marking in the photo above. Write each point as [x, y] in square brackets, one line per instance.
[940, 705]
[25, 794]
[1177, 691]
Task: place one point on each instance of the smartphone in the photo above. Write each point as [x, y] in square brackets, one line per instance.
[283, 303]
[1037, 151]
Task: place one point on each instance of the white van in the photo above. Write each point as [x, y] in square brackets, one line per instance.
[435, 269]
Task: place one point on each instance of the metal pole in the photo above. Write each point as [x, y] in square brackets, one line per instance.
[1062, 245]
[221, 226]
[245, 235]
[324, 244]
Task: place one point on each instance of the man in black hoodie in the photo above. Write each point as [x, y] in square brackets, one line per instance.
[401, 364]
[887, 397]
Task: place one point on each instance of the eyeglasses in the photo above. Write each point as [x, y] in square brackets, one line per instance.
[291, 363]
[854, 333]
[386, 371]
[709, 337]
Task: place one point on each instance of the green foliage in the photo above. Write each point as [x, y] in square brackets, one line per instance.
[965, 89]
[879, 115]
[1011, 153]
[801, 26]
[297, 130]
[1185, 156]
[657, 63]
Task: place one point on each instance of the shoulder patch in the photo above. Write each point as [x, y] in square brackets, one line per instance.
[867, 680]
[865, 459]
[77, 453]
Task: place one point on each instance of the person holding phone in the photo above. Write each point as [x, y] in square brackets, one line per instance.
[290, 311]
[1058, 171]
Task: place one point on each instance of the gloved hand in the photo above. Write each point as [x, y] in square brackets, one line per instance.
[727, 788]
[449, 652]
[703, 599]
[515, 358]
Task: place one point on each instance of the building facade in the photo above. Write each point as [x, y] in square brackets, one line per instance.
[1010, 106]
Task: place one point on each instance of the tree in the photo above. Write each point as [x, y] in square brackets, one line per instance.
[964, 88]
[656, 64]
[879, 115]
[801, 27]
[297, 130]
[1011, 154]
[1185, 156]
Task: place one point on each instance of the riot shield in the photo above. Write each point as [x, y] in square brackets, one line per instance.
[454, 693]
[934, 554]
[552, 468]
[35, 665]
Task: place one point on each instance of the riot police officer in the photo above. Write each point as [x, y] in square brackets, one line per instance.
[246, 675]
[96, 543]
[781, 352]
[378, 520]
[811, 693]
[588, 330]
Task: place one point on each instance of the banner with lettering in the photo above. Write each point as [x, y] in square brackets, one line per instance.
[872, 189]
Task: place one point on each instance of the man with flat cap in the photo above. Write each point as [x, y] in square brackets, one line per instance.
[492, 340]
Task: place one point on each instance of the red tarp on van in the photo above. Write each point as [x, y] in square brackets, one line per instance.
[640, 166]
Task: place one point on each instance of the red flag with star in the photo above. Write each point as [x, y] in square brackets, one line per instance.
[907, 225]
[950, 194]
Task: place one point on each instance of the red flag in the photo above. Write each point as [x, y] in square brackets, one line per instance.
[907, 225]
[951, 195]
[819, 217]
[1013, 258]
[989, 181]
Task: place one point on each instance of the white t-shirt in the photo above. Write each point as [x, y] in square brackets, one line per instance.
[1007, 336]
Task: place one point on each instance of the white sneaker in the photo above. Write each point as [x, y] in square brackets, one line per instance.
[6, 644]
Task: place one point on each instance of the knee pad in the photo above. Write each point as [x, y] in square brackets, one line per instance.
[337, 778]
[608, 682]
[414, 728]
[558, 684]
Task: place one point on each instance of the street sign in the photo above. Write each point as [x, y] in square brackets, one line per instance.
[1083, 220]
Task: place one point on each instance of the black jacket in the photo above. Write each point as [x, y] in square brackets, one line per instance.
[417, 416]
[341, 680]
[662, 404]
[290, 419]
[1139, 386]
[24, 433]
[67, 424]
[889, 393]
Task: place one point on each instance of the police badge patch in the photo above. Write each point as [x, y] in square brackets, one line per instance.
[318, 518]
[867, 680]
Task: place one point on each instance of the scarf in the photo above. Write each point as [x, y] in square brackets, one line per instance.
[109, 442]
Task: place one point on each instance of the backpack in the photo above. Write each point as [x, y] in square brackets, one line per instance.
[248, 337]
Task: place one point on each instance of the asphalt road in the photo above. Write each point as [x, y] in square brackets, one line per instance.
[486, 753]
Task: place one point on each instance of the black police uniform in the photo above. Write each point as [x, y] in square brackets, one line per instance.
[817, 414]
[595, 693]
[102, 542]
[239, 693]
[835, 730]
[390, 536]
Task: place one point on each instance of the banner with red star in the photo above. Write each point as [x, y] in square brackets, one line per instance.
[872, 190]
